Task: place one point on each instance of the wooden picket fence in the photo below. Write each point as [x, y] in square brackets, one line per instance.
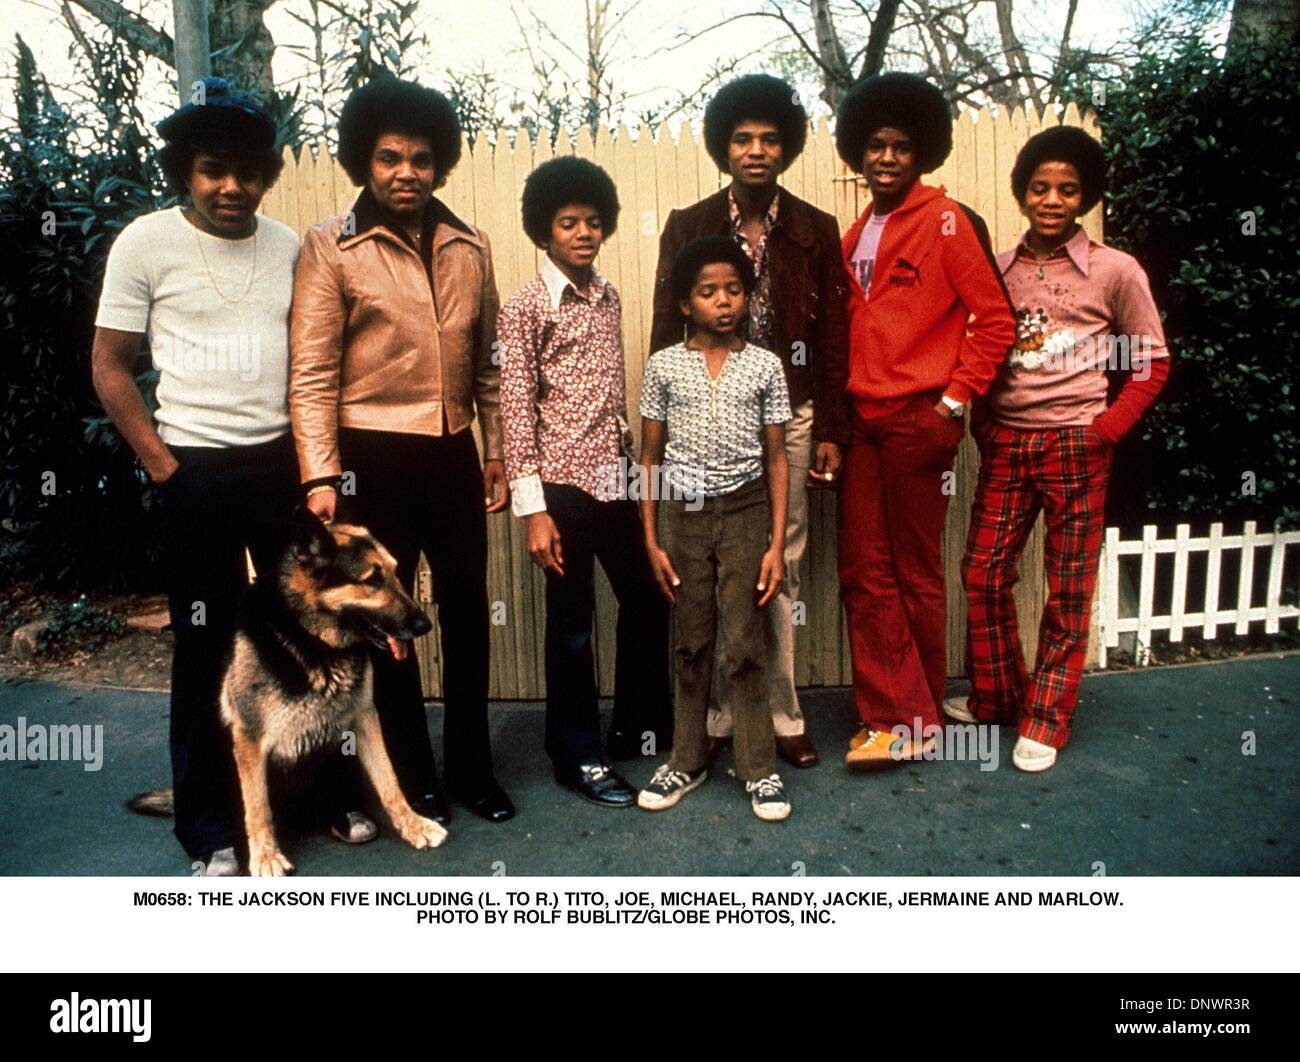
[654, 174]
[1213, 614]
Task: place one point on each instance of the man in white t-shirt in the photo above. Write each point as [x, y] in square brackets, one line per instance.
[209, 282]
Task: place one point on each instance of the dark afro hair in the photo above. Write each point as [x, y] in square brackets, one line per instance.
[389, 105]
[560, 183]
[176, 160]
[1063, 143]
[761, 98]
[900, 101]
[708, 250]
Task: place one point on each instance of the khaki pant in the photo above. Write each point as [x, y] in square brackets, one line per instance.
[716, 552]
[787, 718]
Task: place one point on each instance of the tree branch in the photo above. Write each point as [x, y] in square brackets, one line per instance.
[881, 27]
[137, 32]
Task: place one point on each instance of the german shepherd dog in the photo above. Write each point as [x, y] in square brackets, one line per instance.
[300, 678]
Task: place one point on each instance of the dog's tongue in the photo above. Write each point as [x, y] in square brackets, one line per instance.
[398, 649]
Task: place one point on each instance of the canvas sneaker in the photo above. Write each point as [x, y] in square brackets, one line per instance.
[1030, 755]
[669, 786]
[769, 799]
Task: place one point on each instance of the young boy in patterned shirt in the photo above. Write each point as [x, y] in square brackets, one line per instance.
[713, 411]
[566, 441]
[1046, 437]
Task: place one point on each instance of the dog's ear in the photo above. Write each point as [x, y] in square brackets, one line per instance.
[311, 540]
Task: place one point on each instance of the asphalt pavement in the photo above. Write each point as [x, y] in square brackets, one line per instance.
[1171, 771]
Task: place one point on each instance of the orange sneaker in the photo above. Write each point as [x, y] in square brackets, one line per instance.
[877, 748]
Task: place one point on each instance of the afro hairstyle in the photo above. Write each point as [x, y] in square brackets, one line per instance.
[1062, 143]
[755, 97]
[176, 160]
[387, 104]
[900, 101]
[561, 182]
[708, 250]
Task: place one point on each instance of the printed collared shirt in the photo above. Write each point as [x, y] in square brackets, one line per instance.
[563, 388]
[761, 321]
[714, 427]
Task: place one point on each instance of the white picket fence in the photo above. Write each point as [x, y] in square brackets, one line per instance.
[1211, 616]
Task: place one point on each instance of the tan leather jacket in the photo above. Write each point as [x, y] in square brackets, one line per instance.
[371, 346]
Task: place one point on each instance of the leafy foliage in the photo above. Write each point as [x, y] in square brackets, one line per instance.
[351, 42]
[71, 492]
[1204, 190]
[77, 625]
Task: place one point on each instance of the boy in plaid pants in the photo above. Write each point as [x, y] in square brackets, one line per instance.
[1046, 437]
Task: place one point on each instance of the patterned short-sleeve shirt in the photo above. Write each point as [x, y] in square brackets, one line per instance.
[714, 427]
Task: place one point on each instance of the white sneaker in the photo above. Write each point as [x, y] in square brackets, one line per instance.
[1032, 755]
[955, 708]
[768, 798]
[667, 787]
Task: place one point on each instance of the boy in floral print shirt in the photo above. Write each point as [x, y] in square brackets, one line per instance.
[566, 444]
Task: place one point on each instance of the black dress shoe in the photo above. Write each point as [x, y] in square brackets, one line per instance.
[432, 806]
[486, 799]
[599, 783]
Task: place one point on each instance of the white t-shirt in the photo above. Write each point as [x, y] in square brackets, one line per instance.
[864, 255]
[220, 342]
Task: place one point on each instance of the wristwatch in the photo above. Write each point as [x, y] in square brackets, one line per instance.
[955, 408]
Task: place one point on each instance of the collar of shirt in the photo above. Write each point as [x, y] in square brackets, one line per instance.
[367, 214]
[557, 284]
[1075, 248]
[769, 221]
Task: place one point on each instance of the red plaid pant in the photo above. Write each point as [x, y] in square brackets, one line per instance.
[1062, 472]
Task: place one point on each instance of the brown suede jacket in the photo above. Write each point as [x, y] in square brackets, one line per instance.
[810, 295]
[384, 339]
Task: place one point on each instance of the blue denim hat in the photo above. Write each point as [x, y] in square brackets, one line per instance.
[219, 120]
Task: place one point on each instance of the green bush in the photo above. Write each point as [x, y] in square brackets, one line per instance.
[77, 625]
[1202, 149]
[75, 502]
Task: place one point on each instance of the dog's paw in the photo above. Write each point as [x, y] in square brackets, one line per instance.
[268, 863]
[420, 832]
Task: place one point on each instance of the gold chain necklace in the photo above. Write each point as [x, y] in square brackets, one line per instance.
[252, 273]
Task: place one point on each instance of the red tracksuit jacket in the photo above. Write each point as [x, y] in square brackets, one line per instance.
[937, 316]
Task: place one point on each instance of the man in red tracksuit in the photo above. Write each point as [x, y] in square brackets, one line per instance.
[929, 324]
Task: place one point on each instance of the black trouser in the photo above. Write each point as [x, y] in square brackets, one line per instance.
[611, 531]
[219, 502]
[425, 492]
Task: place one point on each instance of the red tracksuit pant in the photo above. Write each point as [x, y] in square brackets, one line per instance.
[1063, 472]
[892, 505]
